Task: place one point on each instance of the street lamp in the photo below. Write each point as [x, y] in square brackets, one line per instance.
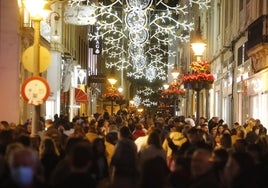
[197, 43]
[198, 46]
[175, 71]
[120, 89]
[112, 79]
[165, 86]
[37, 12]
[140, 111]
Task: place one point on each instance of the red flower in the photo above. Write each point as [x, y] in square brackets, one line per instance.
[198, 77]
[173, 92]
[175, 85]
[113, 96]
[200, 66]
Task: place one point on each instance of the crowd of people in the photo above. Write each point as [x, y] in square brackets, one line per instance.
[128, 151]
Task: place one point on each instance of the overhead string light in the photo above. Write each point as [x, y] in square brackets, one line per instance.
[145, 95]
[147, 91]
[148, 103]
[138, 30]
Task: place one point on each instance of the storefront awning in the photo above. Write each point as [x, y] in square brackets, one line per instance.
[80, 96]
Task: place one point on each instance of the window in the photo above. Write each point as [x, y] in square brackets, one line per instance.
[242, 55]
[231, 11]
[217, 103]
[227, 13]
[219, 19]
[258, 107]
[227, 109]
[241, 4]
[260, 7]
[239, 106]
[239, 56]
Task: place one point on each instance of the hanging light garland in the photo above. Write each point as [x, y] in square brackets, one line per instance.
[146, 91]
[145, 95]
[135, 33]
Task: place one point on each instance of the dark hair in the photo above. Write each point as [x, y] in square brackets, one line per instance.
[81, 154]
[244, 160]
[24, 139]
[101, 122]
[226, 140]
[154, 173]
[125, 132]
[154, 139]
[106, 115]
[96, 143]
[221, 121]
[71, 141]
[118, 120]
[5, 124]
[220, 159]
[255, 127]
[193, 130]
[222, 154]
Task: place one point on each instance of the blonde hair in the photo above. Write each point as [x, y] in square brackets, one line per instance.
[251, 123]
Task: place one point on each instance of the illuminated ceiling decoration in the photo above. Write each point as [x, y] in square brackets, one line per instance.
[144, 101]
[146, 91]
[78, 14]
[136, 34]
[148, 103]
[137, 100]
[145, 96]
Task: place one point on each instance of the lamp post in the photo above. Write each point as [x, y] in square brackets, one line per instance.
[140, 111]
[112, 80]
[175, 73]
[198, 45]
[36, 9]
[36, 112]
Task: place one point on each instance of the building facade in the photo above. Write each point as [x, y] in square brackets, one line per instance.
[237, 48]
[68, 48]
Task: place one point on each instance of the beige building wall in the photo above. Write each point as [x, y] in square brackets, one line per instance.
[9, 61]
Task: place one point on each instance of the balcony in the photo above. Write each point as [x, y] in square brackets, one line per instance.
[258, 32]
[257, 46]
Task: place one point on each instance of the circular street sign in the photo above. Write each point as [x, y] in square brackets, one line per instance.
[28, 59]
[35, 90]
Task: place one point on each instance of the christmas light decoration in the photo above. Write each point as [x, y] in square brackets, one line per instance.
[148, 103]
[136, 33]
[137, 100]
[146, 91]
